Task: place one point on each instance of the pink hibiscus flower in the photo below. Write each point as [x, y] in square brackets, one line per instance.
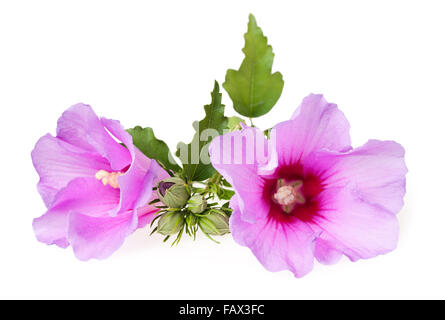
[96, 189]
[312, 195]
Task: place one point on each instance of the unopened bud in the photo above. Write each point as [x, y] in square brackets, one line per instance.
[170, 223]
[216, 224]
[173, 192]
[197, 204]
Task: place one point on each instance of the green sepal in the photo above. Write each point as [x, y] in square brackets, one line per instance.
[215, 222]
[170, 223]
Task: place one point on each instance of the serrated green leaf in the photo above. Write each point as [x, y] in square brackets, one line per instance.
[190, 155]
[145, 140]
[254, 90]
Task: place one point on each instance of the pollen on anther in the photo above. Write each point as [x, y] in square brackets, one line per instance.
[288, 195]
[108, 178]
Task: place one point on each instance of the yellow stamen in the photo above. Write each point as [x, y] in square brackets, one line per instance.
[108, 178]
[288, 195]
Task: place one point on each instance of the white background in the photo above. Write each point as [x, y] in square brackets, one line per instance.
[153, 64]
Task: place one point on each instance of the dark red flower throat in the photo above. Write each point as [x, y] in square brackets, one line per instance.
[293, 193]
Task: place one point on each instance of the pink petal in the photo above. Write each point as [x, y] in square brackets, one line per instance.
[277, 246]
[58, 162]
[377, 169]
[146, 215]
[152, 177]
[86, 195]
[137, 183]
[234, 155]
[81, 127]
[99, 237]
[52, 227]
[364, 191]
[350, 224]
[316, 125]
[326, 251]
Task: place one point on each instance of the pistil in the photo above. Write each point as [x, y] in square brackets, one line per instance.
[288, 195]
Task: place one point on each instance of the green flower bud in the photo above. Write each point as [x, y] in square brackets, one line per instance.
[170, 223]
[173, 192]
[216, 224]
[197, 204]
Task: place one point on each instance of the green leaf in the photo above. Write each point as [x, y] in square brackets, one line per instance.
[234, 123]
[191, 155]
[226, 183]
[253, 89]
[225, 194]
[145, 140]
